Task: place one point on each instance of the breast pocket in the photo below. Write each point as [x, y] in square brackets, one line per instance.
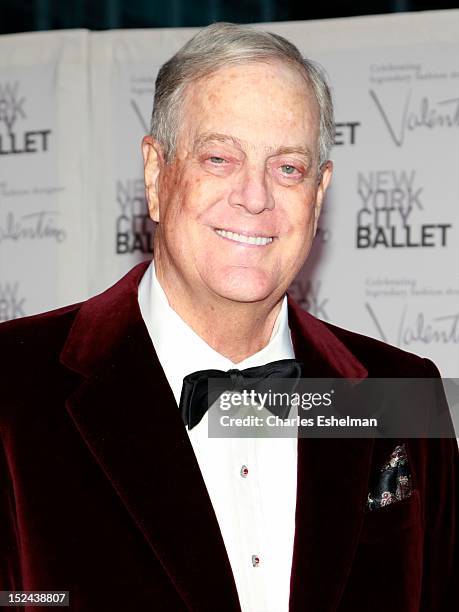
[386, 573]
[399, 517]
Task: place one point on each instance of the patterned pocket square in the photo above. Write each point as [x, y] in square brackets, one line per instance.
[394, 482]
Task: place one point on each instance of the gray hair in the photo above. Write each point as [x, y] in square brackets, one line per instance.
[220, 45]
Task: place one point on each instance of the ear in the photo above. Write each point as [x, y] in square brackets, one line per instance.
[325, 176]
[152, 162]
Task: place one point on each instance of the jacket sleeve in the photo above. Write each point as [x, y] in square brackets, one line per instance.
[10, 573]
[441, 495]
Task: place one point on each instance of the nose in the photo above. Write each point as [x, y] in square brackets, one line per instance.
[252, 192]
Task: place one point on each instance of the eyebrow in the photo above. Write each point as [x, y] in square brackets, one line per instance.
[294, 150]
[203, 139]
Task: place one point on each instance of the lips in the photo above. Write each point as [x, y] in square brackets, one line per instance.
[253, 239]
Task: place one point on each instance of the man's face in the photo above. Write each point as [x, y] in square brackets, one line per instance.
[238, 206]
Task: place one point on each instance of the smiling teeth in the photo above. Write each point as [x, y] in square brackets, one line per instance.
[258, 240]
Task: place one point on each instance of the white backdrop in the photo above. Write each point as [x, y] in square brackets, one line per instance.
[43, 171]
[74, 106]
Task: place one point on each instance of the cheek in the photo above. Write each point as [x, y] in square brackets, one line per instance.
[188, 207]
[204, 196]
[296, 213]
[175, 198]
[192, 189]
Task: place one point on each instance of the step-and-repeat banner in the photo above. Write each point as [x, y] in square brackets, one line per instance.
[74, 106]
[44, 155]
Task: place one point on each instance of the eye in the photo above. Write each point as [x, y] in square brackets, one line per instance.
[288, 169]
[217, 160]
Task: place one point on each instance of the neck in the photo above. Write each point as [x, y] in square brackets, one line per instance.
[236, 330]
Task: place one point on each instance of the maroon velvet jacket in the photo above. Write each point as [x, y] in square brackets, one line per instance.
[99, 486]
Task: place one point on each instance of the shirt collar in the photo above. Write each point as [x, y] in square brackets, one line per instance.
[181, 350]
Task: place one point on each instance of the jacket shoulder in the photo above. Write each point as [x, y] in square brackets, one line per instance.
[32, 374]
[38, 337]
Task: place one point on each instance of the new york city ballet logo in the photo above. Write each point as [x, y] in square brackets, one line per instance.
[417, 114]
[13, 140]
[11, 302]
[391, 202]
[346, 133]
[134, 228]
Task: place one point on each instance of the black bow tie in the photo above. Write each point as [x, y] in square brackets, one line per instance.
[196, 398]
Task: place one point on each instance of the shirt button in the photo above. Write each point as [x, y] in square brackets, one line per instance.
[255, 560]
[244, 471]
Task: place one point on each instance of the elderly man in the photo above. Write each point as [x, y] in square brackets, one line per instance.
[108, 490]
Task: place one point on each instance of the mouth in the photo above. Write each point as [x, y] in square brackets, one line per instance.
[252, 239]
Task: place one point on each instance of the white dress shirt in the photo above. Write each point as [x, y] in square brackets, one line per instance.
[251, 481]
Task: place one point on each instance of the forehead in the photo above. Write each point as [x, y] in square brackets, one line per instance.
[264, 103]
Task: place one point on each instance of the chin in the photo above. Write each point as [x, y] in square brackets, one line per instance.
[244, 285]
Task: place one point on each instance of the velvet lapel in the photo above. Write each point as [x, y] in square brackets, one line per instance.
[127, 415]
[332, 480]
